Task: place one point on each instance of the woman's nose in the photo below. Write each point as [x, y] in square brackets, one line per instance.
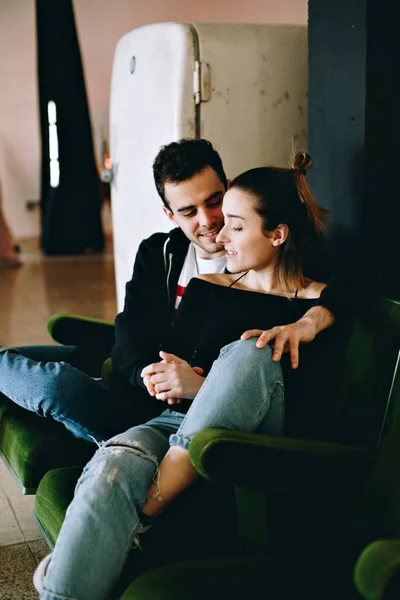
[221, 237]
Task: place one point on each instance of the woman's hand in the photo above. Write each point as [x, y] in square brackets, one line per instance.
[287, 338]
[172, 379]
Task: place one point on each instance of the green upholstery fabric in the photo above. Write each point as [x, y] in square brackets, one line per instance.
[378, 505]
[377, 514]
[377, 572]
[235, 457]
[53, 497]
[106, 370]
[76, 330]
[225, 579]
[370, 363]
[32, 445]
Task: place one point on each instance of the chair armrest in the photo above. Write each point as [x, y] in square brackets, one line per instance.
[77, 330]
[268, 462]
[106, 371]
[377, 566]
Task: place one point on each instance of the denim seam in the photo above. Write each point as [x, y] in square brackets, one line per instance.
[79, 425]
[198, 395]
[54, 596]
[272, 390]
[225, 350]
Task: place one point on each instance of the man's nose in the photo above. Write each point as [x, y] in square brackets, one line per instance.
[206, 218]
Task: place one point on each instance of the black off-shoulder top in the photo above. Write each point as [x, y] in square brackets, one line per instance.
[211, 316]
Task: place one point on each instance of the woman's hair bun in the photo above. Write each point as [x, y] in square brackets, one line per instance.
[302, 162]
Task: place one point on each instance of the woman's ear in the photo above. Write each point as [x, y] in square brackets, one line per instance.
[280, 235]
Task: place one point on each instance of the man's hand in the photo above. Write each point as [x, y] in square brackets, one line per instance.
[172, 379]
[288, 337]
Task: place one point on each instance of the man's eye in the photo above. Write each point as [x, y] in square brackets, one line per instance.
[189, 215]
[216, 202]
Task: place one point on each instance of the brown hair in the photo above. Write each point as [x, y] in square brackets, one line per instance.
[283, 196]
[179, 161]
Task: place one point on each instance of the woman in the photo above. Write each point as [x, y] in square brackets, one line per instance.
[271, 220]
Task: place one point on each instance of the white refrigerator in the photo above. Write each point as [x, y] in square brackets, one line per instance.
[243, 87]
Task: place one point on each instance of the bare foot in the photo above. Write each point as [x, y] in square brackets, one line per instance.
[10, 262]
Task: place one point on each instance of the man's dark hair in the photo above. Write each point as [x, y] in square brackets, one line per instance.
[179, 161]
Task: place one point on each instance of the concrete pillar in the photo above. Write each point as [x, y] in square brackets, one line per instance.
[354, 132]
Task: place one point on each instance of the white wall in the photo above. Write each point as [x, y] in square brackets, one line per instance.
[100, 24]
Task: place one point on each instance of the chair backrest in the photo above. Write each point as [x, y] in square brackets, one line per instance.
[370, 367]
[376, 509]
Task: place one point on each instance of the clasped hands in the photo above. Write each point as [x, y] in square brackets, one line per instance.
[173, 379]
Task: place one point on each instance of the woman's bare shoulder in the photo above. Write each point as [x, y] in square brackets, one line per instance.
[313, 290]
[217, 278]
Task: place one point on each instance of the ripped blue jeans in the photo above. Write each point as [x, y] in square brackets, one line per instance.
[243, 391]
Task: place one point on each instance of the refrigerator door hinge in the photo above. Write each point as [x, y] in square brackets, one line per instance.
[201, 82]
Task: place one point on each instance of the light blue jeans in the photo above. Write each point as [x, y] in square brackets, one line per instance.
[244, 391]
[42, 379]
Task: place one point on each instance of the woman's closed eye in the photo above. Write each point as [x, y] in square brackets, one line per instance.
[237, 228]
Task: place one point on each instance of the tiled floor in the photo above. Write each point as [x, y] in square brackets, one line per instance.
[21, 544]
[28, 297]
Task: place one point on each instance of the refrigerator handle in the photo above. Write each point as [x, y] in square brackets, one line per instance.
[201, 82]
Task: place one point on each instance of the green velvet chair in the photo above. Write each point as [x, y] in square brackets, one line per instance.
[76, 330]
[30, 445]
[377, 572]
[310, 491]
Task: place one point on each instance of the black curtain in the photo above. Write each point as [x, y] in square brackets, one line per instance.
[71, 220]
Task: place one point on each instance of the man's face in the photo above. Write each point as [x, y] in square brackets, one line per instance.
[196, 207]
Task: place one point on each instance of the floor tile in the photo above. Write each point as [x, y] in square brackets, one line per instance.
[17, 565]
[8, 485]
[45, 285]
[39, 549]
[22, 507]
[10, 533]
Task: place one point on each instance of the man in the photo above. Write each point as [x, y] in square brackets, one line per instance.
[190, 180]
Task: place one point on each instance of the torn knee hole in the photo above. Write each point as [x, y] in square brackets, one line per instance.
[135, 448]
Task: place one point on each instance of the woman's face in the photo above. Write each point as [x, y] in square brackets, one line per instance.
[242, 235]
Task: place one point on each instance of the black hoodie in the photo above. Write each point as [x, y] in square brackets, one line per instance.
[149, 304]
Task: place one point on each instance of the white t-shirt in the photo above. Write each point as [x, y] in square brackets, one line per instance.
[193, 266]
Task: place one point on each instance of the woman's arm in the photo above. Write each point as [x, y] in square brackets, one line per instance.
[287, 338]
